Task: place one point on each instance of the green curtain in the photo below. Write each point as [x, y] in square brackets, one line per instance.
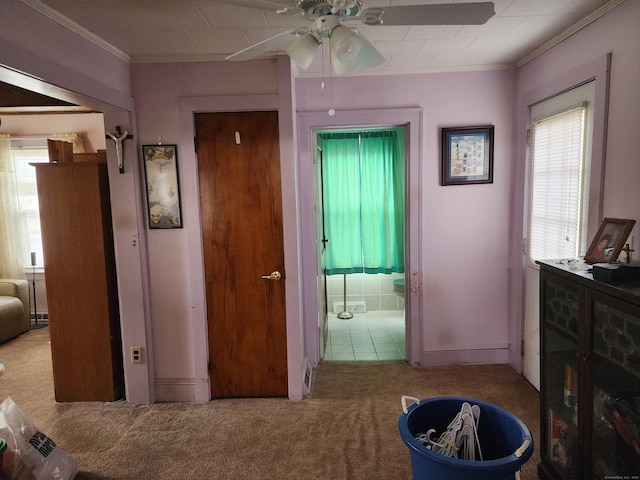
[363, 181]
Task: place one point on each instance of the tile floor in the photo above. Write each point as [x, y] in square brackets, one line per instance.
[375, 335]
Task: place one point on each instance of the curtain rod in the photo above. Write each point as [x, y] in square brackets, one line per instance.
[42, 136]
[39, 136]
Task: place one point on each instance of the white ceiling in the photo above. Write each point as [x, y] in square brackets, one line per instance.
[203, 30]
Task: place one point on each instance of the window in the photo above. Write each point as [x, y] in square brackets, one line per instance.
[556, 190]
[558, 176]
[28, 198]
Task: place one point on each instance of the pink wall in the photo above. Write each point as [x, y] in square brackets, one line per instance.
[617, 32]
[64, 59]
[471, 234]
[577, 59]
[157, 90]
[464, 229]
[166, 96]
[63, 65]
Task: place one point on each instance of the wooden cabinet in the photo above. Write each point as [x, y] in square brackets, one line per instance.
[590, 376]
[75, 217]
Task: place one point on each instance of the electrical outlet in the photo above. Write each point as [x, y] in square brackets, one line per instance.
[136, 354]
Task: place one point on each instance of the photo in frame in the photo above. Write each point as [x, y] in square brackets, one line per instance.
[163, 190]
[609, 240]
[467, 155]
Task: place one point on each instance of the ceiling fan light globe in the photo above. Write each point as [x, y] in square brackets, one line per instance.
[349, 50]
[340, 66]
[303, 50]
[345, 43]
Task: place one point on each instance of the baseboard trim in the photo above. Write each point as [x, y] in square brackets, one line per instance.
[175, 390]
[479, 356]
[516, 360]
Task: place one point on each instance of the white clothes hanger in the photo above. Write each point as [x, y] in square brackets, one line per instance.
[460, 439]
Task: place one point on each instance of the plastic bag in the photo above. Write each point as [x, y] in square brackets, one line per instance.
[30, 454]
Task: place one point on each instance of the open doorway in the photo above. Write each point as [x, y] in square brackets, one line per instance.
[129, 237]
[62, 217]
[28, 135]
[309, 123]
[361, 216]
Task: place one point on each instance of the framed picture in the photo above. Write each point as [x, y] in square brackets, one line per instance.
[467, 155]
[163, 191]
[606, 245]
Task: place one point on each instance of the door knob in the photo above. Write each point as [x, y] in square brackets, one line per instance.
[274, 276]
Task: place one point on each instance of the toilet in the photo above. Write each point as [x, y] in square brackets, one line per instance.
[398, 287]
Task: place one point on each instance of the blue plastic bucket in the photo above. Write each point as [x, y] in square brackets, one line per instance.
[505, 441]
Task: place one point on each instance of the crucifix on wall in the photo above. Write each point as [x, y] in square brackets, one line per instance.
[119, 137]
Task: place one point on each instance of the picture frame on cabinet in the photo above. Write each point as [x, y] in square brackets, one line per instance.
[163, 187]
[609, 240]
[467, 155]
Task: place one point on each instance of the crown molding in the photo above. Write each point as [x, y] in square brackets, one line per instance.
[180, 58]
[40, 7]
[576, 27]
[377, 72]
[84, 33]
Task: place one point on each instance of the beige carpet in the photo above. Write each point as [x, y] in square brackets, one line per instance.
[347, 428]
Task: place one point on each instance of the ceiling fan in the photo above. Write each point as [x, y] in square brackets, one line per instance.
[349, 48]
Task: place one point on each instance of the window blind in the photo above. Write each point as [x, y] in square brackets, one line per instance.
[27, 191]
[556, 185]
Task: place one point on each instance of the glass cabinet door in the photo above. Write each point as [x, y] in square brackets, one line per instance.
[615, 367]
[560, 370]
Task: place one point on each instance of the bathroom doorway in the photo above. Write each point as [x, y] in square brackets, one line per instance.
[312, 281]
[360, 193]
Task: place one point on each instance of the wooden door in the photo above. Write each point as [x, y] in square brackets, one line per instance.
[241, 210]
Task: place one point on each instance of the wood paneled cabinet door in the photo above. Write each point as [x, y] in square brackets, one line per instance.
[80, 275]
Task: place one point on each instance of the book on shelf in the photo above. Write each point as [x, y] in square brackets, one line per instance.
[624, 418]
[570, 386]
[562, 440]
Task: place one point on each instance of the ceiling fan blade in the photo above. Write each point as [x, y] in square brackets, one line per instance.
[269, 6]
[439, 14]
[369, 56]
[265, 45]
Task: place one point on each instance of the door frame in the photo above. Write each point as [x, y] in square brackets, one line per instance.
[559, 102]
[597, 70]
[307, 126]
[323, 319]
[282, 102]
[247, 343]
[129, 231]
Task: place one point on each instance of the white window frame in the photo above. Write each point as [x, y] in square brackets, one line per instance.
[571, 100]
[24, 153]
